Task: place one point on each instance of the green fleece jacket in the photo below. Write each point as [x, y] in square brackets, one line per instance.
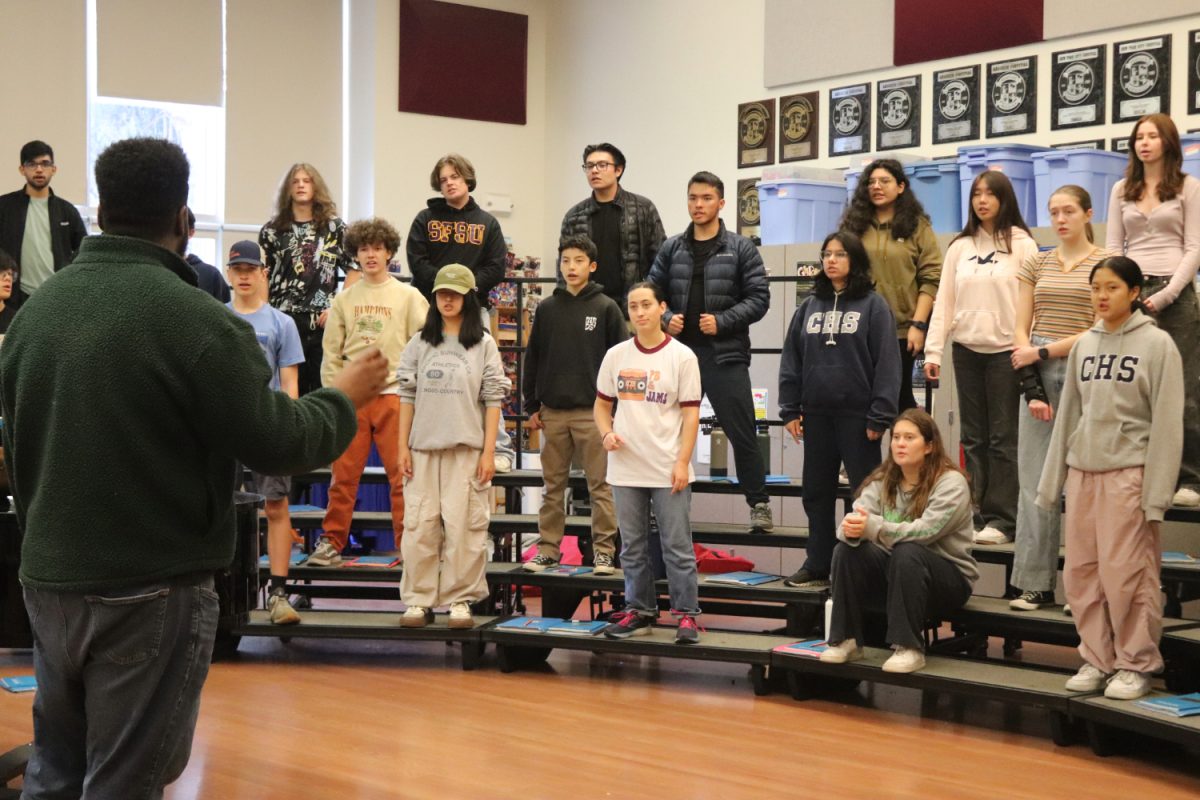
[129, 396]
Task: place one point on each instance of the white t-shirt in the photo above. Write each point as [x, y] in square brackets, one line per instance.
[651, 387]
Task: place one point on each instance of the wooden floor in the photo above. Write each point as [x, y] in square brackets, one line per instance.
[354, 719]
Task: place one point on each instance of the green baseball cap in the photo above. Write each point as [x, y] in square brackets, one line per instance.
[455, 278]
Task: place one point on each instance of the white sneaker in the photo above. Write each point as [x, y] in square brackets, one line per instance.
[1127, 685]
[415, 617]
[847, 650]
[1188, 498]
[990, 535]
[460, 616]
[1088, 679]
[324, 555]
[905, 659]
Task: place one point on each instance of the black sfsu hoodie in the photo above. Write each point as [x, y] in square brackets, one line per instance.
[442, 234]
[571, 333]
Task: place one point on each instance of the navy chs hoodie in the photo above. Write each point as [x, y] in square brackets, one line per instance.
[571, 334]
[841, 358]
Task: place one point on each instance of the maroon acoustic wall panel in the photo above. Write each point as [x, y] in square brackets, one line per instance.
[462, 61]
[927, 30]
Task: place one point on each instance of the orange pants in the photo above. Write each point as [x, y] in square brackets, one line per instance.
[378, 421]
[1112, 570]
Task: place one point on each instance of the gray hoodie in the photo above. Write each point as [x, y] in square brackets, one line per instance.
[1117, 385]
[945, 527]
[450, 388]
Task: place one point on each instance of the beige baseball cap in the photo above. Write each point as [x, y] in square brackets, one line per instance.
[455, 278]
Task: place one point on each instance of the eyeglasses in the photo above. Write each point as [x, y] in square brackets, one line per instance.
[38, 164]
[834, 255]
[599, 166]
[881, 182]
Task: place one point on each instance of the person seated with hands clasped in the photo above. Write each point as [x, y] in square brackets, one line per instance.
[906, 547]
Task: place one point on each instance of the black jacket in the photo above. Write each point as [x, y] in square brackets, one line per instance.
[66, 231]
[841, 358]
[210, 278]
[571, 334]
[641, 231]
[735, 289]
[442, 234]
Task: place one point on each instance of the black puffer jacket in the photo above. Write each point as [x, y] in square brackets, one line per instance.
[641, 231]
[735, 289]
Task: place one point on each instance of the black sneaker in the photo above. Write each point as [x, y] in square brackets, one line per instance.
[627, 623]
[1031, 601]
[688, 631]
[803, 579]
[540, 563]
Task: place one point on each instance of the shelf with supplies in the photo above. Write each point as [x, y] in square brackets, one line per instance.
[514, 303]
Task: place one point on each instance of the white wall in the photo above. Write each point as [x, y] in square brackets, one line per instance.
[661, 81]
[509, 159]
[664, 87]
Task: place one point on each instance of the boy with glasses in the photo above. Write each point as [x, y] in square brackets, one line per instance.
[625, 226]
[39, 229]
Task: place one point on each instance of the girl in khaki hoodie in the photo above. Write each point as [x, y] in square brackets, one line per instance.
[976, 309]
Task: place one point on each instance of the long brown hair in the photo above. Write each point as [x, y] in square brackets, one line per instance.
[936, 464]
[323, 206]
[1007, 218]
[1135, 173]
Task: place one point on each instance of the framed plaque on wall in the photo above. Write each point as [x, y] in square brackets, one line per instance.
[956, 104]
[850, 120]
[1012, 97]
[1141, 78]
[756, 133]
[799, 123]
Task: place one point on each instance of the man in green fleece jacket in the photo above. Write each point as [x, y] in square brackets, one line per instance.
[129, 396]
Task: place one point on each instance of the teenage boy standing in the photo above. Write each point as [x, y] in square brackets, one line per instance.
[716, 287]
[377, 311]
[572, 330]
[625, 226]
[280, 342]
[39, 229]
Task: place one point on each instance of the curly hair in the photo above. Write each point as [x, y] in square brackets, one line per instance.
[143, 185]
[907, 209]
[1135, 174]
[323, 207]
[375, 230]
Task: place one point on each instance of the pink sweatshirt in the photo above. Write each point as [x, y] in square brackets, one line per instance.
[1167, 242]
[976, 304]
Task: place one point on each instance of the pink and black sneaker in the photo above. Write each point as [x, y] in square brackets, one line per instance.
[688, 631]
[627, 623]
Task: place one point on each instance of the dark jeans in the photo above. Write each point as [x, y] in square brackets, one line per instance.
[907, 398]
[728, 389]
[1181, 319]
[989, 403]
[119, 674]
[311, 339]
[828, 443]
[912, 584]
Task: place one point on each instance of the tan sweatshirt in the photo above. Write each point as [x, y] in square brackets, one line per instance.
[383, 315]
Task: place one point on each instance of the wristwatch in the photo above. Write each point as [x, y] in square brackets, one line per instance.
[919, 325]
[1044, 353]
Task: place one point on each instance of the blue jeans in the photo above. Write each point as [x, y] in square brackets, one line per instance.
[1035, 563]
[673, 513]
[119, 674]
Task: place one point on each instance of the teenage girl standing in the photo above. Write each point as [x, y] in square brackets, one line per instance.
[451, 385]
[1154, 218]
[649, 444]
[976, 308]
[906, 262]
[1054, 309]
[1117, 447]
[838, 380]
